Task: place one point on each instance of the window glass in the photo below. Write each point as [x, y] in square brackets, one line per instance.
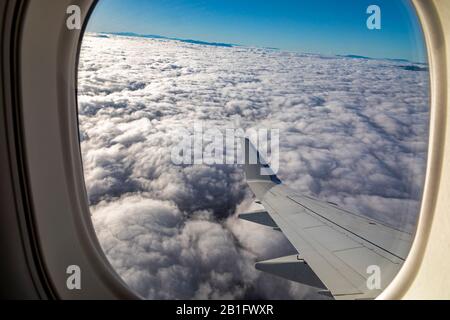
[341, 88]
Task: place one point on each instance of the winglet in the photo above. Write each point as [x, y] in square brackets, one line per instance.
[255, 167]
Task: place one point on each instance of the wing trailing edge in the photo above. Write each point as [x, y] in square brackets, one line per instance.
[259, 217]
[292, 268]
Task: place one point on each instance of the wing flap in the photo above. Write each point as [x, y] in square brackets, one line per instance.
[372, 231]
[292, 268]
[259, 217]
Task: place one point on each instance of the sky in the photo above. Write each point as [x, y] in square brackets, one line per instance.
[324, 27]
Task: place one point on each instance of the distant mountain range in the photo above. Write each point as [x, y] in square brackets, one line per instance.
[155, 36]
[353, 56]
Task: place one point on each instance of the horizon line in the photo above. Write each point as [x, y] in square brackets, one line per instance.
[229, 45]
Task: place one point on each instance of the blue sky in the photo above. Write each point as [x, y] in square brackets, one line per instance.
[314, 26]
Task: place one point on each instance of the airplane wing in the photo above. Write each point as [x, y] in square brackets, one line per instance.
[343, 254]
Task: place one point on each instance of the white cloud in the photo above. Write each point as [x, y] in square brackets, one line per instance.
[353, 131]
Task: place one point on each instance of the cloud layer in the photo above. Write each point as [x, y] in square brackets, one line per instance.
[353, 131]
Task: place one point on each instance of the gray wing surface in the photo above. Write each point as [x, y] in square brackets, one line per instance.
[346, 255]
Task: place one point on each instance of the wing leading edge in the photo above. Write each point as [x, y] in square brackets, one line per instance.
[349, 255]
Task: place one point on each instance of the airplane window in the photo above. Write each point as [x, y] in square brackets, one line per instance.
[175, 96]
